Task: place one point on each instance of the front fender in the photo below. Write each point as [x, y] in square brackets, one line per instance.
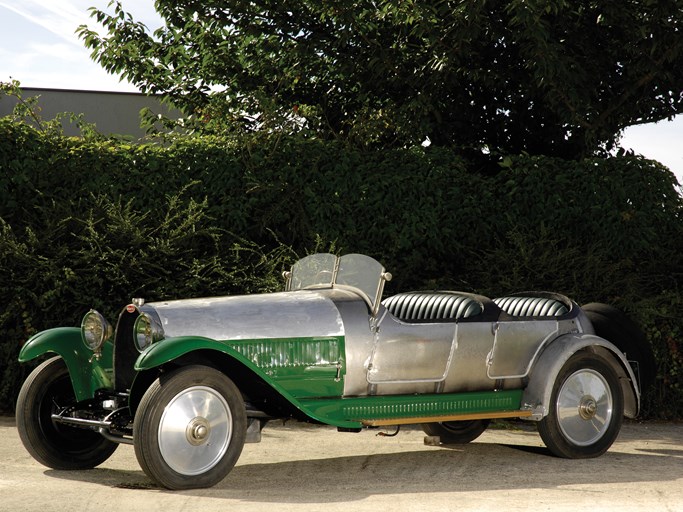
[173, 348]
[87, 373]
[537, 394]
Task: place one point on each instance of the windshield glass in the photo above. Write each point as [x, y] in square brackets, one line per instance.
[313, 270]
[360, 272]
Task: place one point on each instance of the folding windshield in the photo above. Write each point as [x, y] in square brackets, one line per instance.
[357, 272]
[361, 272]
[316, 270]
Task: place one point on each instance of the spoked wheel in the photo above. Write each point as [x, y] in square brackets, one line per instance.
[456, 432]
[46, 391]
[190, 428]
[586, 409]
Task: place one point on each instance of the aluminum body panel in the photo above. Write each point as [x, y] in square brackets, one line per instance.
[458, 356]
[516, 344]
[440, 357]
[296, 314]
[359, 341]
[405, 352]
[468, 369]
[391, 356]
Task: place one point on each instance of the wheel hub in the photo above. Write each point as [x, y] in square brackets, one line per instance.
[588, 407]
[197, 431]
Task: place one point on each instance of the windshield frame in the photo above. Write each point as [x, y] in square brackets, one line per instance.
[358, 273]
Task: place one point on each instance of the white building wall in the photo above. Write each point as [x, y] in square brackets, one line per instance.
[112, 113]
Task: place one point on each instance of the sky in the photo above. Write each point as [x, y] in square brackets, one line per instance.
[39, 47]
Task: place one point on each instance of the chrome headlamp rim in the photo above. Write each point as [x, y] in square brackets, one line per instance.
[95, 330]
[146, 331]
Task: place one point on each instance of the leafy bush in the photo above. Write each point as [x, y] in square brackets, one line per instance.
[92, 223]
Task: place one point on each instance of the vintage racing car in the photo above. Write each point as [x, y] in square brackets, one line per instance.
[188, 382]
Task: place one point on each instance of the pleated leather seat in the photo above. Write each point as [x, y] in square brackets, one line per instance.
[531, 306]
[411, 306]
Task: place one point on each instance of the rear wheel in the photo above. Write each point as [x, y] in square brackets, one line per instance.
[456, 432]
[190, 428]
[586, 409]
[46, 391]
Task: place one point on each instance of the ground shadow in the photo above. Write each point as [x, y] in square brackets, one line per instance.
[475, 467]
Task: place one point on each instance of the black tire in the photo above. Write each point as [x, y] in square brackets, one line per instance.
[190, 428]
[456, 432]
[615, 326]
[47, 390]
[586, 409]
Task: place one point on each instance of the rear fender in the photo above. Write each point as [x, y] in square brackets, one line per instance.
[537, 394]
[87, 373]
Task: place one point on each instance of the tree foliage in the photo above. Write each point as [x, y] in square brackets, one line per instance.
[554, 77]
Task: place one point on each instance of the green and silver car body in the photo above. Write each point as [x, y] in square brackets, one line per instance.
[327, 349]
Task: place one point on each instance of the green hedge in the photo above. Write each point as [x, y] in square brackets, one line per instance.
[91, 224]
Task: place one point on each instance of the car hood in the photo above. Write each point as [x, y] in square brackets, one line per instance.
[295, 314]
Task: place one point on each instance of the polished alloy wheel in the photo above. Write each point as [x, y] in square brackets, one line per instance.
[584, 407]
[195, 430]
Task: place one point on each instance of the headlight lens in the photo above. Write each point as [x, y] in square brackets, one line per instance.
[95, 330]
[146, 331]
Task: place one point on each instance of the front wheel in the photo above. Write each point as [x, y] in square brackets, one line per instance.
[47, 390]
[456, 432]
[190, 428]
[586, 409]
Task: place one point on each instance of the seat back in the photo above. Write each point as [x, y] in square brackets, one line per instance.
[435, 306]
[531, 306]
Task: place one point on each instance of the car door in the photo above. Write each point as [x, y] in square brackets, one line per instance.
[411, 352]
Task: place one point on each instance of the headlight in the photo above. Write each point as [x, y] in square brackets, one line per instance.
[146, 331]
[95, 330]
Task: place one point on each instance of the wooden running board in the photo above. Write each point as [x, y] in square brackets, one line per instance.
[452, 417]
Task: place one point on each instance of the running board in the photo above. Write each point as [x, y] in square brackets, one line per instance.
[450, 417]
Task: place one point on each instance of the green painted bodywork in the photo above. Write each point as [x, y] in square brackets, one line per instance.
[296, 368]
[303, 367]
[87, 373]
[308, 372]
[416, 406]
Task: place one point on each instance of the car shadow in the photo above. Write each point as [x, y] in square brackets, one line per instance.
[475, 467]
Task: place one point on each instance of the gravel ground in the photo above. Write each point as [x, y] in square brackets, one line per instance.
[303, 467]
